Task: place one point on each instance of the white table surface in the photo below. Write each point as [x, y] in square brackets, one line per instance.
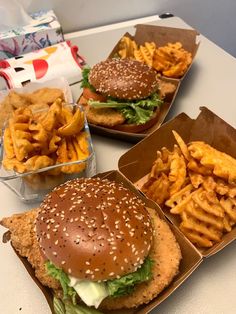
[211, 288]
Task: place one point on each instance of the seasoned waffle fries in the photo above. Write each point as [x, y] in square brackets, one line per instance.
[171, 60]
[127, 47]
[198, 183]
[37, 139]
[145, 53]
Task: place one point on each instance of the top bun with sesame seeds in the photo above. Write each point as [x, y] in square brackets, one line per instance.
[123, 79]
[94, 229]
[121, 94]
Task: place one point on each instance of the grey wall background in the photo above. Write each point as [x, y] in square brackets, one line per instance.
[216, 19]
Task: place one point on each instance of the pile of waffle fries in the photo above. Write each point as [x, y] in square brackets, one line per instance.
[198, 183]
[171, 60]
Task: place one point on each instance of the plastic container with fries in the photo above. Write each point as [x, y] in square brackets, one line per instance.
[69, 154]
[188, 167]
[45, 140]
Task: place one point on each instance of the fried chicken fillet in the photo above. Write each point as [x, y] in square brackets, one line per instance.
[165, 253]
[23, 238]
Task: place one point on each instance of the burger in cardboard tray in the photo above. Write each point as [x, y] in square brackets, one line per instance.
[123, 94]
[97, 246]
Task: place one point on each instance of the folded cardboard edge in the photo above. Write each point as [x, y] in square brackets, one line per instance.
[208, 127]
[164, 34]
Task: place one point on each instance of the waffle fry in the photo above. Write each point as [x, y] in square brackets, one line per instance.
[157, 190]
[35, 140]
[199, 188]
[177, 174]
[223, 165]
[38, 162]
[8, 144]
[145, 53]
[171, 60]
[127, 46]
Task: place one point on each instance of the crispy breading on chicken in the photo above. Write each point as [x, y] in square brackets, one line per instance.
[166, 89]
[23, 238]
[45, 95]
[107, 117]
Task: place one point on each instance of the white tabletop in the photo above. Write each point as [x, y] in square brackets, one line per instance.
[210, 82]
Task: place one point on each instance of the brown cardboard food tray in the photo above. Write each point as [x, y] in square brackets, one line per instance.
[136, 163]
[191, 258]
[160, 35]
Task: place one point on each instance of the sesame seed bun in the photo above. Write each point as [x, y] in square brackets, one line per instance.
[123, 79]
[94, 229]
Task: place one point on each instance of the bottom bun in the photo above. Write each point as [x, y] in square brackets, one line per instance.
[138, 128]
[166, 255]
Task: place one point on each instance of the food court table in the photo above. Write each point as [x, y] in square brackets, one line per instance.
[210, 82]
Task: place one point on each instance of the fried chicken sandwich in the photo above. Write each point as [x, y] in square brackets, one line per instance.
[95, 243]
[121, 94]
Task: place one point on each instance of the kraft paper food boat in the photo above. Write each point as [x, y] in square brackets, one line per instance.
[208, 127]
[191, 258]
[160, 35]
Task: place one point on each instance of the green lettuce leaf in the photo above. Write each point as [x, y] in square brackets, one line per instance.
[60, 275]
[80, 309]
[85, 81]
[138, 112]
[66, 307]
[125, 285]
[136, 115]
[58, 305]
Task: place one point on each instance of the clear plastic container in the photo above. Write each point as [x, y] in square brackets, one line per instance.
[33, 186]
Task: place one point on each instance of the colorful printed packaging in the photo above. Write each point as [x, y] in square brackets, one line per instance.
[44, 31]
[41, 65]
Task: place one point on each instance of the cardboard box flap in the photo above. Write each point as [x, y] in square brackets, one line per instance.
[215, 132]
[208, 127]
[161, 35]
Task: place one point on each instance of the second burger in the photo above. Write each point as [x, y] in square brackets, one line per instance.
[121, 94]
